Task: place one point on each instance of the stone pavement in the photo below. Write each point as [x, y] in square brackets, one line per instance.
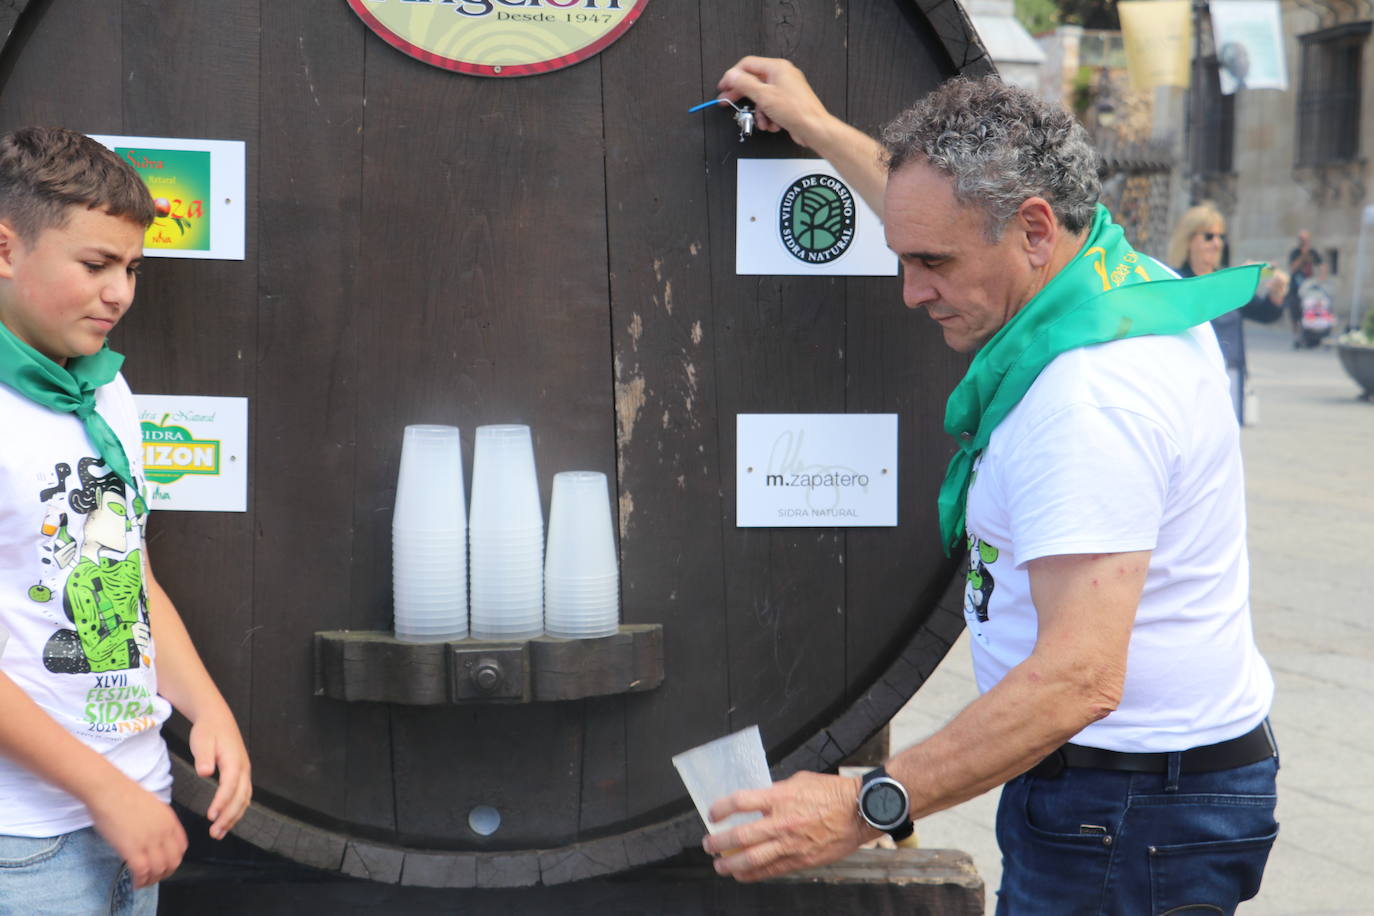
[1310, 479]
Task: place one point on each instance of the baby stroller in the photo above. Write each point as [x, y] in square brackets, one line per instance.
[1317, 317]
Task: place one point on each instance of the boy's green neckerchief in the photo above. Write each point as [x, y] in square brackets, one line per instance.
[1105, 293]
[67, 390]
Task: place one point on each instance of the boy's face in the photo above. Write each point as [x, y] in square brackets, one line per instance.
[68, 288]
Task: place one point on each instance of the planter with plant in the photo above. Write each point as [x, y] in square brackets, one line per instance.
[1356, 349]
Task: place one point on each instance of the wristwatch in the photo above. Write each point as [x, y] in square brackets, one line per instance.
[883, 803]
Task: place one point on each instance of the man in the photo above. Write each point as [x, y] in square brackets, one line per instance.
[1304, 263]
[1123, 700]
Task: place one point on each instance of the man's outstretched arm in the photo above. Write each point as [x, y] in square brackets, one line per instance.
[1086, 606]
[784, 100]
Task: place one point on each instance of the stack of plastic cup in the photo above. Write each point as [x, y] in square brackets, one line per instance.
[581, 576]
[429, 537]
[506, 532]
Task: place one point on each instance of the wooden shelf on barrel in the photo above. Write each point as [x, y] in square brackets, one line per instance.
[375, 666]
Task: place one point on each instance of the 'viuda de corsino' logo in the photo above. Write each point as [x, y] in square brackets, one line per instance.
[816, 218]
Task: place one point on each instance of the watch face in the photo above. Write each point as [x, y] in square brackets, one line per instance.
[884, 804]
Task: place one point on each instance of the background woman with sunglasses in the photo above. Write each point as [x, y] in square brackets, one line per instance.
[1197, 248]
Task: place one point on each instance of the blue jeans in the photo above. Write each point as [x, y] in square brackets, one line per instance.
[1108, 843]
[76, 874]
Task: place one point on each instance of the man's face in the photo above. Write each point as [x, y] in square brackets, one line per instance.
[69, 287]
[971, 287]
[1304, 238]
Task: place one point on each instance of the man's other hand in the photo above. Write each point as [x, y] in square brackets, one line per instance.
[782, 97]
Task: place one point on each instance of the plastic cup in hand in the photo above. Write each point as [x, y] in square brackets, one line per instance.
[718, 768]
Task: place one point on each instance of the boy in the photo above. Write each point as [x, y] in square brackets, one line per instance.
[85, 825]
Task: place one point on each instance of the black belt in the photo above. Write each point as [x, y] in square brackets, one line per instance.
[1252, 747]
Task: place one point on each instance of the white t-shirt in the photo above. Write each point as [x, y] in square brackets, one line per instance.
[1125, 446]
[73, 601]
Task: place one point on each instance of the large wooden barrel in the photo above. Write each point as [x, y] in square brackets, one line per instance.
[428, 246]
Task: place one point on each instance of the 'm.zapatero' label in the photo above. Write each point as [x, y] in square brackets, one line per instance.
[816, 218]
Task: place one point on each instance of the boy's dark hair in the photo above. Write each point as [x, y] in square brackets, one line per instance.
[44, 171]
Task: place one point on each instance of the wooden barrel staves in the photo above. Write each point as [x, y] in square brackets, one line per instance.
[557, 250]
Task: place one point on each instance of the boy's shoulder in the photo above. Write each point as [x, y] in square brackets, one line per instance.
[35, 431]
[18, 404]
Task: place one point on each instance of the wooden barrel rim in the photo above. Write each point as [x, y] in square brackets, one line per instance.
[338, 852]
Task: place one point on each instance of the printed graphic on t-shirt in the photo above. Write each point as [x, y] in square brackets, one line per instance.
[91, 588]
[978, 589]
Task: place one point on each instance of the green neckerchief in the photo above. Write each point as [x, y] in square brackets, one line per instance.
[67, 390]
[1106, 292]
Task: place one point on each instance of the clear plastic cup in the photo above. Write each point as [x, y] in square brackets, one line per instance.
[513, 635]
[508, 586]
[429, 562]
[419, 599]
[525, 588]
[498, 603]
[507, 617]
[430, 588]
[485, 541]
[575, 582]
[565, 632]
[436, 623]
[447, 629]
[509, 581]
[414, 538]
[718, 768]
[429, 486]
[411, 636]
[435, 586]
[430, 628]
[438, 568]
[447, 602]
[512, 609]
[409, 544]
[601, 609]
[508, 536]
[595, 590]
[494, 563]
[581, 537]
[505, 488]
[497, 611]
[585, 609]
[432, 584]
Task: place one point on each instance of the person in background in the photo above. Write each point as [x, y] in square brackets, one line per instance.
[1304, 263]
[1097, 485]
[96, 656]
[1195, 249]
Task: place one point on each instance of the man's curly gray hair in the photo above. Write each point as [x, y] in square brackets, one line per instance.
[1000, 145]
